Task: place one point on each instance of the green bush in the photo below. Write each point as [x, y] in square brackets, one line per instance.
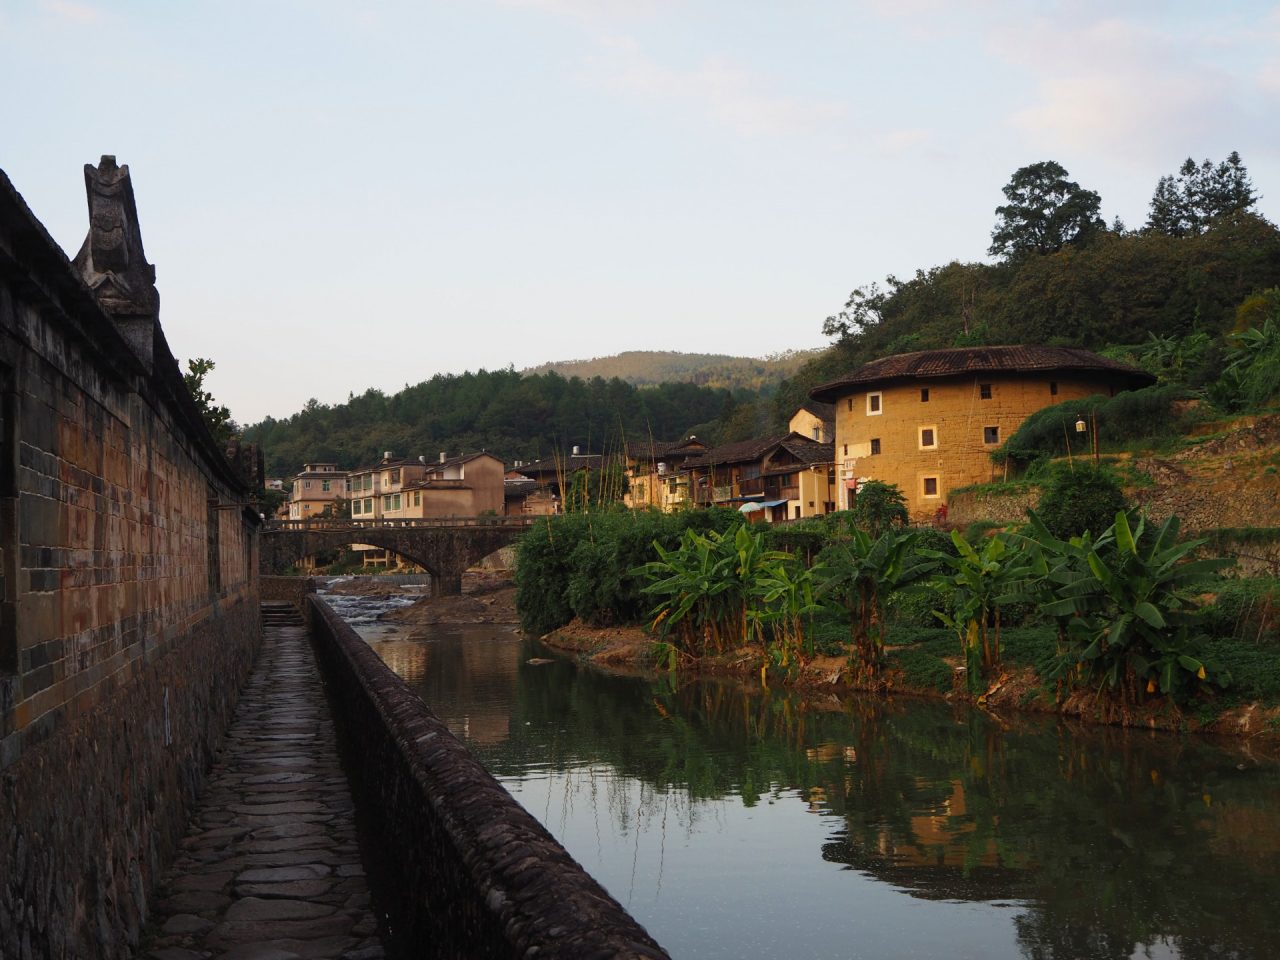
[923, 669]
[577, 564]
[1082, 499]
[1145, 414]
[1245, 609]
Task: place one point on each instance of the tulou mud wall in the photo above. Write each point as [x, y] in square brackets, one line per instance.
[128, 588]
[458, 866]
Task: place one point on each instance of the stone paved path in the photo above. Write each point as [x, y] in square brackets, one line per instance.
[270, 869]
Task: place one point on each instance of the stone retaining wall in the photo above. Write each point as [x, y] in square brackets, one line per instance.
[456, 863]
[92, 818]
[294, 590]
[969, 506]
[128, 583]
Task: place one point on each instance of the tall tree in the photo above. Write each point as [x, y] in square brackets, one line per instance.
[1185, 205]
[1045, 212]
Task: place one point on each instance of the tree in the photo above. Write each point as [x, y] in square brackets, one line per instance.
[1045, 212]
[859, 574]
[877, 507]
[1085, 498]
[1185, 205]
[862, 310]
[978, 581]
[216, 416]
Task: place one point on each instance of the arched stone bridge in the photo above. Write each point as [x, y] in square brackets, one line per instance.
[445, 546]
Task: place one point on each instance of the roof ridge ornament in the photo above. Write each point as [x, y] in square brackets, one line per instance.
[111, 260]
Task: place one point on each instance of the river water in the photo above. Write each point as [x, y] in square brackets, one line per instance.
[744, 823]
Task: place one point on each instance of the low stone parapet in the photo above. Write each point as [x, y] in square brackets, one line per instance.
[460, 868]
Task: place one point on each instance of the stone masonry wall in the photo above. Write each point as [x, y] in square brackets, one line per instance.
[128, 592]
[457, 864]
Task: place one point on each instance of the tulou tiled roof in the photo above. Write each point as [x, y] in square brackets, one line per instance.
[802, 448]
[657, 449]
[959, 361]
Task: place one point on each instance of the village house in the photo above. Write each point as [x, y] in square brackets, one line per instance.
[470, 485]
[315, 488]
[536, 488]
[927, 422]
[784, 477]
[654, 473]
[815, 420]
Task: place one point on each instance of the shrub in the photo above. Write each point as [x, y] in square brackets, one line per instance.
[1130, 415]
[1074, 501]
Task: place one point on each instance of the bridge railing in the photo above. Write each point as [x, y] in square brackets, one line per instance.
[501, 523]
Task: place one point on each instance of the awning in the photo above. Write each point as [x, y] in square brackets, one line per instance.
[760, 505]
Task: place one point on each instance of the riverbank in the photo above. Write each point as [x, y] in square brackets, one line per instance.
[925, 668]
[488, 596]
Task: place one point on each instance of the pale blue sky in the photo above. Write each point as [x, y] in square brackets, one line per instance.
[340, 195]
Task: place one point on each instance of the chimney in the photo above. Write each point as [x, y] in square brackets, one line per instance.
[386, 455]
[442, 456]
[575, 450]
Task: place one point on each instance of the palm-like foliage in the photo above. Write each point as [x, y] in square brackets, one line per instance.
[979, 581]
[860, 574]
[1126, 603]
[711, 588]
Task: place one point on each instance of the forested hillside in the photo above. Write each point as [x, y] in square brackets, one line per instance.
[1193, 274]
[502, 411]
[1173, 295]
[649, 367]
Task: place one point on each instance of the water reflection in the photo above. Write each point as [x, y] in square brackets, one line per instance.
[735, 823]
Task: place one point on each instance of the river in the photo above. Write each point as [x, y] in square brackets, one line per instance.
[744, 823]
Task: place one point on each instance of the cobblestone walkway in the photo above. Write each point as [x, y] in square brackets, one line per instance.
[270, 869]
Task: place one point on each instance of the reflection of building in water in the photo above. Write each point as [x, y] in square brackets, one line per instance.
[940, 857]
[448, 667]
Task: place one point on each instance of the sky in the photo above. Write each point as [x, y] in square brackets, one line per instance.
[340, 195]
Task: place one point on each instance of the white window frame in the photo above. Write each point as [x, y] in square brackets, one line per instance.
[937, 487]
[880, 398]
[920, 436]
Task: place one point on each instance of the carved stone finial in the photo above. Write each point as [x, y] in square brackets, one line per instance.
[112, 261]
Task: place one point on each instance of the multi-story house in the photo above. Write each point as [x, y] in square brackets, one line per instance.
[928, 421]
[550, 479]
[469, 485]
[654, 473]
[783, 477]
[315, 488]
[378, 489]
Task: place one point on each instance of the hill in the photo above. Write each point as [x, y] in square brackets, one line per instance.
[509, 414]
[715, 370]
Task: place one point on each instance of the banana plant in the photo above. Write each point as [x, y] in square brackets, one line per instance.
[979, 581]
[1126, 604]
[859, 574]
[1150, 589]
[788, 603]
[711, 588]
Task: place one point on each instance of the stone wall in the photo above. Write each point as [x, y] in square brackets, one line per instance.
[454, 860]
[968, 506]
[286, 590]
[128, 583]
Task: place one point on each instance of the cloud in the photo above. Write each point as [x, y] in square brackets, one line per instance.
[71, 12]
[903, 141]
[1112, 84]
[722, 90]
[593, 11]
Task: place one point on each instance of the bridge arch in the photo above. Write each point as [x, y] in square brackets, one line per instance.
[444, 548]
